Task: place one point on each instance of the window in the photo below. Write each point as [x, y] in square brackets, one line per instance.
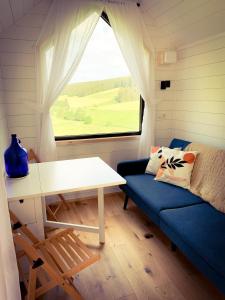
[100, 100]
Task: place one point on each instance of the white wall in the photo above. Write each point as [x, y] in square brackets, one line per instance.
[3, 122]
[163, 97]
[17, 60]
[194, 107]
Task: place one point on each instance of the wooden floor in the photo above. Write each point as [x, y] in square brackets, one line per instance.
[132, 266]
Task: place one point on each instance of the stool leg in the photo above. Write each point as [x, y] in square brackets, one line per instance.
[125, 202]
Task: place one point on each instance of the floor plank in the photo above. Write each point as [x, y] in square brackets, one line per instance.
[132, 267]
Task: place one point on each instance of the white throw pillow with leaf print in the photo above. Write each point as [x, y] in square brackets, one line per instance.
[177, 168]
[156, 158]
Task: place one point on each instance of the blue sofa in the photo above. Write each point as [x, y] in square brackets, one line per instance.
[192, 224]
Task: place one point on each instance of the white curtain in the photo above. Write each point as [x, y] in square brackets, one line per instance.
[9, 279]
[59, 50]
[126, 21]
[63, 39]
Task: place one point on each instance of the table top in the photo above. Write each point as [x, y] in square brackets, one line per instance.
[25, 187]
[64, 176]
[76, 174]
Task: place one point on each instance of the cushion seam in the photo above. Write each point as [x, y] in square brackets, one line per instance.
[174, 207]
[177, 207]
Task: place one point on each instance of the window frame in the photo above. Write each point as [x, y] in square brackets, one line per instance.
[107, 135]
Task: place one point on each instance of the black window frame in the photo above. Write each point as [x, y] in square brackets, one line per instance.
[107, 135]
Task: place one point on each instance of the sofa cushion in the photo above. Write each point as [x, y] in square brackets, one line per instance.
[153, 196]
[202, 229]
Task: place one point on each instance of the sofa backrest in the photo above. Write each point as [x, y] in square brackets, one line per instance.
[177, 143]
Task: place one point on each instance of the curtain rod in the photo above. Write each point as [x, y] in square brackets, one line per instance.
[138, 3]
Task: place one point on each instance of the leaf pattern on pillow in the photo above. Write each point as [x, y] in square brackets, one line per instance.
[173, 163]
[160, 153]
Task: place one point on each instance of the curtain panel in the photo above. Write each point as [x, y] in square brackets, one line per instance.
[126, 22]
[65, 34]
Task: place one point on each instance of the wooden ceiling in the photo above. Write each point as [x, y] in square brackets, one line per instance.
[13, 10]
[174, 23]
[170, 24]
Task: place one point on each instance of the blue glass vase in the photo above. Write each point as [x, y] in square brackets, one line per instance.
[16, 159]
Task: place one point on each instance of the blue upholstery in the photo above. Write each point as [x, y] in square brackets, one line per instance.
[193, 225]
[153, 196]
[132, 167]
[176, 143]
[199, 231]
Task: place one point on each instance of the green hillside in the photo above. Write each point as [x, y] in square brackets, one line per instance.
[97, 107]
[83, 89]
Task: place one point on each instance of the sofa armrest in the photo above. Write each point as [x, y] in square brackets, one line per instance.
[132, 167]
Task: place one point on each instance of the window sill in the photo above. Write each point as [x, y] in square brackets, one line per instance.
[98, 140]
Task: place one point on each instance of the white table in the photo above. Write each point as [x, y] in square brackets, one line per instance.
[65, 176]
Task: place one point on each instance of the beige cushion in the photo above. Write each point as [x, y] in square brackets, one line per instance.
[177, 168]
[208, 176]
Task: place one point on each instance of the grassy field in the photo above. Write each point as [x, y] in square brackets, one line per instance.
[110, 106]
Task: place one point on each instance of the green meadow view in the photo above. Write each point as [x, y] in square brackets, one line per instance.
[97, 107]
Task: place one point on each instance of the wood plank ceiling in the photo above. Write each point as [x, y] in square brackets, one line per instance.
[174, 23]
[13, 10]
[170, 23]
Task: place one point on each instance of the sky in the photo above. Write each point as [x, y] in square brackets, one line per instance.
[102, 58]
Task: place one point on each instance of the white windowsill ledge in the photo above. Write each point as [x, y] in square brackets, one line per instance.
[98, 140]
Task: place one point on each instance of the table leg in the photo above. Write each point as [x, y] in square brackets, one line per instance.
[101, 215]
[44, 209]
[100, 229]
